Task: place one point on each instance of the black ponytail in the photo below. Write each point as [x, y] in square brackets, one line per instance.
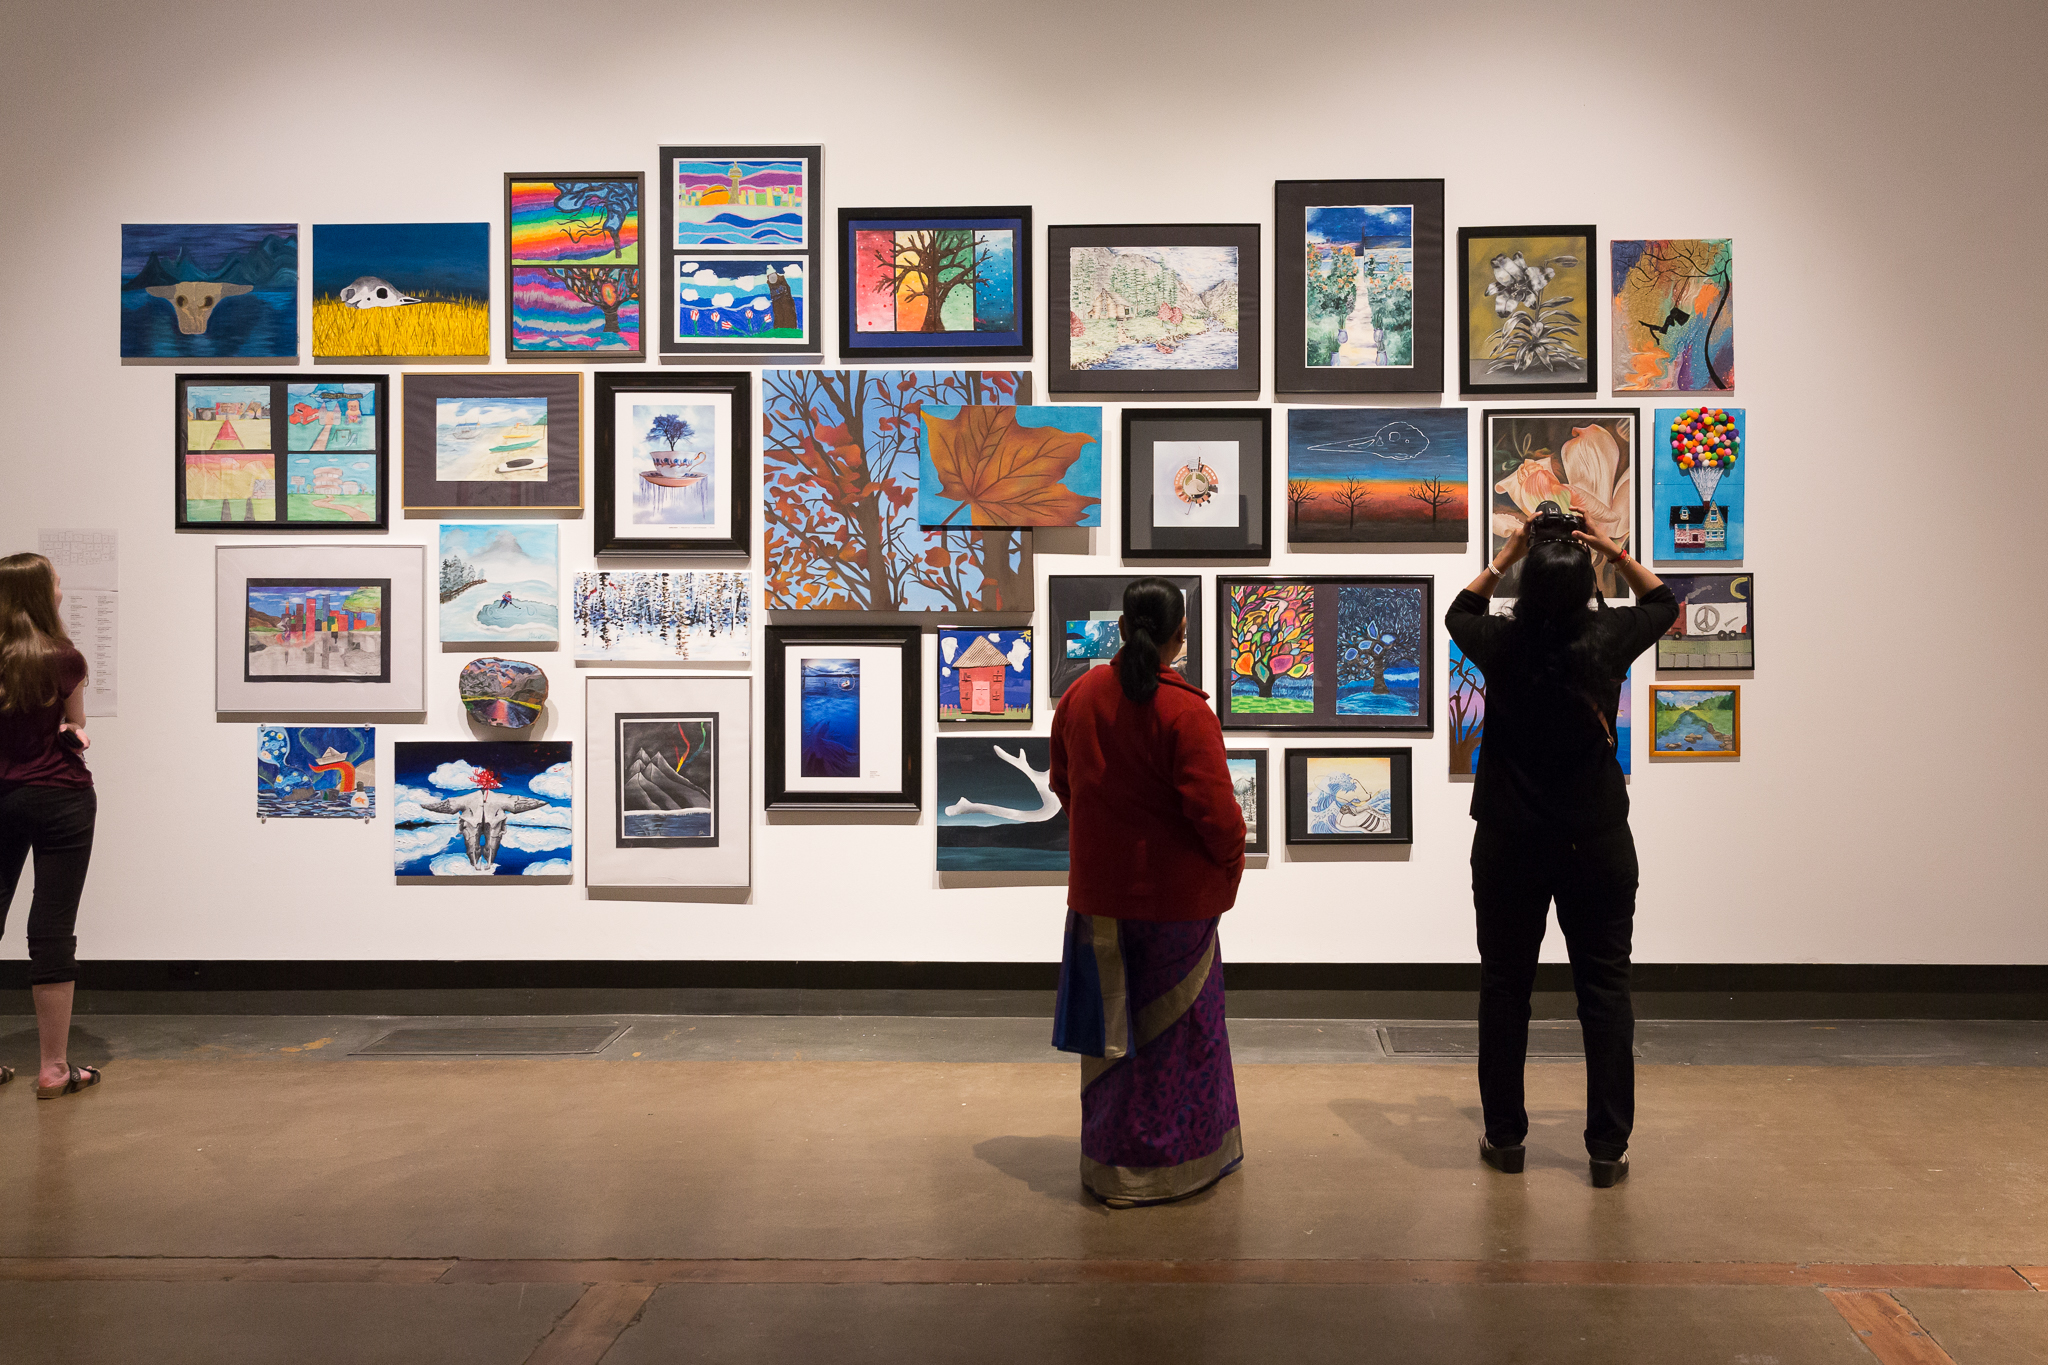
[1552, 635]
[1153, 610]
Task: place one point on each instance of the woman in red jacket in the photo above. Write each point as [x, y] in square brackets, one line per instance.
[1157, 849]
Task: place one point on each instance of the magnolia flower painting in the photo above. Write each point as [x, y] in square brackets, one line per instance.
[1584, 461]
[1525, 324]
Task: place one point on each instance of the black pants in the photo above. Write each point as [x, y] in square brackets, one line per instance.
[1514, 878]
[57, 823]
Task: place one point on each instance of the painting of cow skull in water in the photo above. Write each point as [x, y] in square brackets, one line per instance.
[210, 291]
[483, 809]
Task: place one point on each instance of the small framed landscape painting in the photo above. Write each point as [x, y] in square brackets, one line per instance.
[262, 452]
[1526, 321]
[1153, 308]
[1082, 614]
[316, 772]
[1674, 315]
[489, 808]
[1696, 722]
[1350, 796]
[573, 265]
[843, 713]
[669, 794]
[488, 438]
[662, 617]
[1697, 482]
[1716, 621]
[1358, 476]
[673, 466]
[1248, 781]
[984, 674]
[328, 629]
[1582, 459]
[1360, 279]
[210, 291]
[997, 811]
[992, 465]
[498, 583]
[944, 282]
[1339, 653]
[1198, 483]
[402, 290]
[740, 243]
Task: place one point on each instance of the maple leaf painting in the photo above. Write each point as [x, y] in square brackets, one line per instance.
[1011, 466]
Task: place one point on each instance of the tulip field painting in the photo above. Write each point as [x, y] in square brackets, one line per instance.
[1525, 318]
[1581, 459]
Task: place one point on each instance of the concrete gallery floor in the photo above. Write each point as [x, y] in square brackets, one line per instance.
[853, 1189]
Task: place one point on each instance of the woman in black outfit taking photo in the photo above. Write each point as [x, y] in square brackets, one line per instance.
[47, 802]
[1552, 811]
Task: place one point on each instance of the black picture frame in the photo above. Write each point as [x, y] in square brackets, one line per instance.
[1066, 594]
[1401, 789]
[738, 387]
[1062, 376]
[908, 767]
[857, 347]
[1495, 469]
[1143, 430]
[514, 265]
[278, 425]
[426, 491]
[1259, 840]
[706, 719]
[1327, 639]
[1584, 312]
[1292, 199]
[673, 347]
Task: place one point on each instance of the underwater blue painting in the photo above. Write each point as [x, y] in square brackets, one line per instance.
[482, 809]
[831, 718]
[210, 290]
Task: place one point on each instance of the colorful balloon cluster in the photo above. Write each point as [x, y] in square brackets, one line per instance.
[1704, 439]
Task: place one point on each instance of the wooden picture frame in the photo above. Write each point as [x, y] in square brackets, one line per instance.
[1694, 728]
[1168, 514]
[719, 245]
[1292, 689]
[552, 267]
[1399, 230]
[310, 409]
[622, 485]
[879, 670]
[1321, 806]
[1541, 315]
[1259, 830]
[873, 290]
[1075, 599]
[500, 394]
[1125, 342]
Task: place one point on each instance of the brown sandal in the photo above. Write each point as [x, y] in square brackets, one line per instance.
[81, 1078]
[6, 1074]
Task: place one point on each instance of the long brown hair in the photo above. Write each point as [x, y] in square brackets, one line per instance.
[31, 633]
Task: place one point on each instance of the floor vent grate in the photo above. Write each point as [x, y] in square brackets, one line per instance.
[537, 1040]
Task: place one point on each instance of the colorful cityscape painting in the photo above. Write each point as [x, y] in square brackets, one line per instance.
[996, 465]
[739, 300]
[1674, 315]
[498, 583]
[209, 291]
[652, 615]
[985, 674]
[997, 811]
[316, 772]
[402, 289]
[316, 630]
[1152, 307]
[1360, 285]
[841, 472]
[1365, 475]
[573, 254]
[495, 808]
[740, 203]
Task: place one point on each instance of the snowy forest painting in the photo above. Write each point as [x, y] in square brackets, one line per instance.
[656, 616]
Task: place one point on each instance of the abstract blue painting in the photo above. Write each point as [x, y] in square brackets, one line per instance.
[831, 718]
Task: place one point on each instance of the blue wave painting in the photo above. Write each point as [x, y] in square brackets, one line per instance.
[831, 718]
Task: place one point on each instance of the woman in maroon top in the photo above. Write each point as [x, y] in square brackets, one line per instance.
[47, 803]
[1157, 842]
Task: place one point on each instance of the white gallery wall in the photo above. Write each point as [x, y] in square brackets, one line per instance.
[1879, 167]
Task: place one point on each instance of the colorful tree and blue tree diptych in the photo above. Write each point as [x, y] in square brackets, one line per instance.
[402, 289]
[986, 674]
[831, 718]
[207, 291]
[483, 809]
[997, 811]
[1358, 475]
[841, 457]
[1335, 653]
[1379, 664]
[1697, 479]
[1674, 315]
[997, 465]
[1272, 647]
[316, 772]
[574, 251]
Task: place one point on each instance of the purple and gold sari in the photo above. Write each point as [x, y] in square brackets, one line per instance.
[1142, 1002]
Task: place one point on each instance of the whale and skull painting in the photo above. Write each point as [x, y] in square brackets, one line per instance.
[401, 289]
[483, 809]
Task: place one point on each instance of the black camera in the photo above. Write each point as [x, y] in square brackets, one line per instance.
[1554, 523]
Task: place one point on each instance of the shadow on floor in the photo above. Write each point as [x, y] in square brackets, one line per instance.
[85, 1048]
[1051, 1166]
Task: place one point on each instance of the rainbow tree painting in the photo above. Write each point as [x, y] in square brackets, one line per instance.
[1273, 647]
[840, 495]
[573, 255]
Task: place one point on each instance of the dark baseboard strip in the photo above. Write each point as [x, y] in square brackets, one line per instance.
[1438, 990]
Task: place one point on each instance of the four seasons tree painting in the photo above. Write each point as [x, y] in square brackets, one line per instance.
[1272, 647]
